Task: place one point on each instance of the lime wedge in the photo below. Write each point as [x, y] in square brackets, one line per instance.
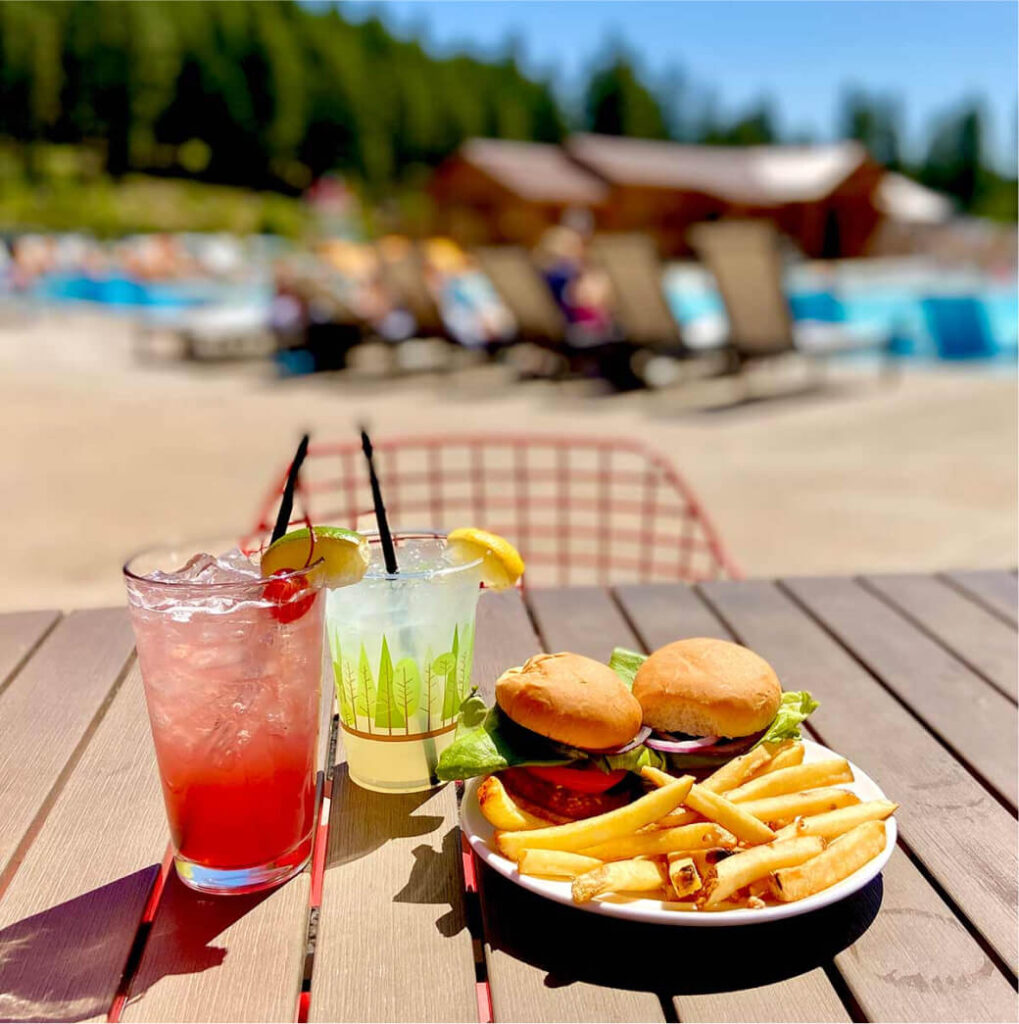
[502, 565]
[344, 552]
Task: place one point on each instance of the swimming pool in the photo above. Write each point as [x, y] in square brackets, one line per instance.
[929, 313]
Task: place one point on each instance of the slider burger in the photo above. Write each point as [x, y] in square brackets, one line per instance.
[565, 737]
[708, 701]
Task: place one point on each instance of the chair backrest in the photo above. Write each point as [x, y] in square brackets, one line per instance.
[746, 262]
[639, 304]
[520, 287]
[958, 324]
[580, 510]
[403, 274]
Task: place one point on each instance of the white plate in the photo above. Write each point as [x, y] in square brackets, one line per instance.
[479, 834]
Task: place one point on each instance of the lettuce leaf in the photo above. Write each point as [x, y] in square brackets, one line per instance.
[625, 664]
[795, 707]
[488, 741]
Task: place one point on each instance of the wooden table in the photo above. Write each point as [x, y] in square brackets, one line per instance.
[917, 681]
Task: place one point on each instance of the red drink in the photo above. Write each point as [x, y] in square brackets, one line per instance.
[233, 685]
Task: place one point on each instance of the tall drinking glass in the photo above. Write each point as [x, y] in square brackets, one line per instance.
[232, 669]
[401, 648]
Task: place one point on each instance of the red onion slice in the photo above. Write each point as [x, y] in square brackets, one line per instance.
[624, 748]
[681, 746]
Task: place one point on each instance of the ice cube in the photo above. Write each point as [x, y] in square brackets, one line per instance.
[232, 567]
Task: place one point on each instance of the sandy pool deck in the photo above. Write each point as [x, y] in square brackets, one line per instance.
[102, 455]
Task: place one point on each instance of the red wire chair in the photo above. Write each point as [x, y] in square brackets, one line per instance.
[580, 510]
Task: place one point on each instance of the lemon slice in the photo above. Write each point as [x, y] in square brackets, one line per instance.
[344, 552]
[502, 565]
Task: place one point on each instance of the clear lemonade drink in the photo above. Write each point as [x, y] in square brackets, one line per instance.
[232, 666]
[401, 648]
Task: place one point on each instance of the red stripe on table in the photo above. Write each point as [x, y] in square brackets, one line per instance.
[134, 957]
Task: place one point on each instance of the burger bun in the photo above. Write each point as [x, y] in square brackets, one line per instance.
[707, 687]
[571, 699]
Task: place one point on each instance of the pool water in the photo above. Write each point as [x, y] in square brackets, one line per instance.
[928, 315]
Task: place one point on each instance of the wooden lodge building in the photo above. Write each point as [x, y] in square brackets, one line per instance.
[826, 198]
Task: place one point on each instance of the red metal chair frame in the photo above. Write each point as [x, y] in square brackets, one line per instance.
[581, 510]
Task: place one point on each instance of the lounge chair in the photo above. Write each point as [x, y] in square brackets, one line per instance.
[541, 322]
[746, 260]
[958, 326]
[402, 268]
[640, 306]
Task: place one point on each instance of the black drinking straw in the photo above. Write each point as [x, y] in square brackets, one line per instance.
[287, 504]
[388, 551]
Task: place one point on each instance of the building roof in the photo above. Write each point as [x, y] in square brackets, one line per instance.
[911, 203]
[758, 175]
[536, 171]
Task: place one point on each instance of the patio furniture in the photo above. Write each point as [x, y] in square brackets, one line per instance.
[746, 260]
[541, 322]
[640, 305]
[402, 269]
[917, 681]
[958, 325]
[581, 510]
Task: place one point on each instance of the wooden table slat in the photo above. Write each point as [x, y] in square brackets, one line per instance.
[392, 937]
[964, 627]
[526, 937]
[238, 958]
[586, 620]
[70, 915]
[914, 960]
[917, 962]
[972, 717]
[995, 589]
[20, 634]
[48, 709]
[962, 836]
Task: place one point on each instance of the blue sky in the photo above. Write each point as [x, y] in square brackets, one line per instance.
[801, 54]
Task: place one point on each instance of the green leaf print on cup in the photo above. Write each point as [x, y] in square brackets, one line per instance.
[450, 697]
[346, 685]
[364, 702]
[387, 715]
[406, 689]
[438, 671]
[463, 664]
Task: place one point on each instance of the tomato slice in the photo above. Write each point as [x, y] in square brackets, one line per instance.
[583, 780]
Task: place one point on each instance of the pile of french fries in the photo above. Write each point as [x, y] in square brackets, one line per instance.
[765, 828]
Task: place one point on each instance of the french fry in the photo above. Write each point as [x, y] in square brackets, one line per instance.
[845, 855]
[620, 876]
[675, 819]
[657, 776]
[784, 755]
[704, 835]
[706, 860]
[733, 817]
[500, 809]
[783, 809]
[577, 835]
[736, 771]
[555, 863]
[741, 869]
[834, 823]
[683, 875]
[716, 808]
[794, 779]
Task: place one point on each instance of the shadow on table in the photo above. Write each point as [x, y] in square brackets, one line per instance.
[66, 963]
[361, 822]
[183, 934]
[571, 945]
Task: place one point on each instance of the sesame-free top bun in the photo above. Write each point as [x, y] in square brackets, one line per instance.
[571, 699]
[707, 687]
